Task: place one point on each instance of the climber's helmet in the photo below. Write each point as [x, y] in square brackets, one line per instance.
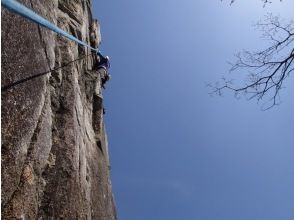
[107, 61]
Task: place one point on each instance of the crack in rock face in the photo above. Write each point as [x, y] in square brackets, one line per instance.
[55, 162]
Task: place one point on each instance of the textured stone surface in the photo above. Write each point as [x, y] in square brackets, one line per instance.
[55, 161]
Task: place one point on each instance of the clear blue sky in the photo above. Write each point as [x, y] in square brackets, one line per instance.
[177, 153]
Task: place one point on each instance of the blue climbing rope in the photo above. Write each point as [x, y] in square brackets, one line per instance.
[22, 10]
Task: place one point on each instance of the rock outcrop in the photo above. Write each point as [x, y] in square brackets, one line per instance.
[54, 146]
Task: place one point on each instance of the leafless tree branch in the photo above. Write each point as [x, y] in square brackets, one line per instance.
[265, 2]
[267, 69]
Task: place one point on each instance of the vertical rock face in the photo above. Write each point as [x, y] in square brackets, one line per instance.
[54, 147]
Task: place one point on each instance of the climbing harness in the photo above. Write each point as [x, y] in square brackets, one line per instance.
[22, 10]
[9, 86]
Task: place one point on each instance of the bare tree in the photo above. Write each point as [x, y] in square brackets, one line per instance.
[266, 69]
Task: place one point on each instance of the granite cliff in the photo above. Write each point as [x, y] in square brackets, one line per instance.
[54, 146]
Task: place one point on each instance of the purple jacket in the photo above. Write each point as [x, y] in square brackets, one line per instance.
[104, 62]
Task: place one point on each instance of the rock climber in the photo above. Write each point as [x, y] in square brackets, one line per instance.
[102, 67]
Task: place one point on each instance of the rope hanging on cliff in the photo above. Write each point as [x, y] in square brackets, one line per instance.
[23, 11]
[9, 86]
